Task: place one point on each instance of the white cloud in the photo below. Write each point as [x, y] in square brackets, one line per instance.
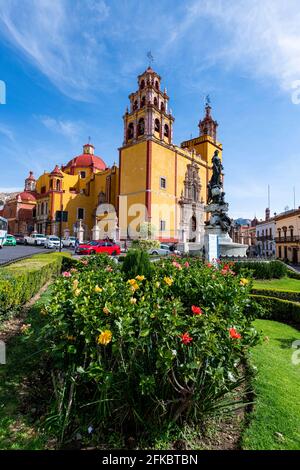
[261, 36]
[69, 129]
[7, 132]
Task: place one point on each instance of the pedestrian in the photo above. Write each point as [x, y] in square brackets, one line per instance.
[77, 242]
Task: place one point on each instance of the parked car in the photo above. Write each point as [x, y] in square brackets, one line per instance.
[69, 242]
[20, 238]
[164, 250]
[35, 239]
[98, 246]
[52, 242]
[10, 240]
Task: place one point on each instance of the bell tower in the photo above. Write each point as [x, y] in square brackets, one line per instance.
[148, 115]
[207, 125]
[30, 183]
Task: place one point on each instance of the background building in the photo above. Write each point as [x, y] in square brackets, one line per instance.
[265, 236]
[288, 236]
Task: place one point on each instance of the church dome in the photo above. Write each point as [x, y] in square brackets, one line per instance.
[26, 196]
[87, 159]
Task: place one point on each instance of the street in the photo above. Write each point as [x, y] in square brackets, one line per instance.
[9, 253]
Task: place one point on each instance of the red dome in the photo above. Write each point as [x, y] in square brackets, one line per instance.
[26, 196]
[86, 160]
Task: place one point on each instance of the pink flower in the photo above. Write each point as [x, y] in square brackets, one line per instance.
[187, 264]
[85, 262]
[177, 265]
[109, 269]
[66, 274]
[73, 270]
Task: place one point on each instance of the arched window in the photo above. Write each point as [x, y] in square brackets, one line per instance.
[156, 84]
[141, 126]
[162, 107]
[42, 208]
[155, 102]
[142, 84]
[156, 125]
[143, 101]
[291, 230]
[130, 131]
[166, 130]
[135, 105]
[57, 185]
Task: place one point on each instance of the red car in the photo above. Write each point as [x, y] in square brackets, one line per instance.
[98, 246]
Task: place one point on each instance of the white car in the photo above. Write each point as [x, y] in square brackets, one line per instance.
[52, 242]
[163, 250]
[69, 242]
[35, 239]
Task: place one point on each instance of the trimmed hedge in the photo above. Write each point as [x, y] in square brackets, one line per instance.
[293, 296]
[262, 269]
[20, 281]
[278, 309]
[145, 244]
[293, 274]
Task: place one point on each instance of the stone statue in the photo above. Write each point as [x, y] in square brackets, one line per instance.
[217, 170]
[215, 186]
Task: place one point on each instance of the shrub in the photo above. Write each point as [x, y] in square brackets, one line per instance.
[22, 280]
[132, 354]
[137, 262]
[262, 269]
[293, 274]
[278, 293]
[145, 244]
[278, 309]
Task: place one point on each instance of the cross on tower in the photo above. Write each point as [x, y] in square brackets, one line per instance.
[150, 57]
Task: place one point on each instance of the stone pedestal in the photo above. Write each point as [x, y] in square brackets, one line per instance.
[80, 232]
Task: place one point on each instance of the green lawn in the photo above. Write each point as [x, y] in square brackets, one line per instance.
[286, 283]
[17, 430]
[275, 422]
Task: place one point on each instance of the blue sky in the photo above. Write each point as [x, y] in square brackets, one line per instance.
[69, 66]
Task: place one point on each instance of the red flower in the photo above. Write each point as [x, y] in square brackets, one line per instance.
[234, 334]
[186, 338]
[187, 264]
[196, 310]
[209, 265]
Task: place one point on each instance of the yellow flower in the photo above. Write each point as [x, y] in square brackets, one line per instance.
[98, 289]
[168, 280]
[133, 285]
[24, 328]
[140, 278]
[132, 300]
[244, 281]
[77, 292]
[157, 284]
[75, 284]
[106, 310]
[105, 337]
[71, 338]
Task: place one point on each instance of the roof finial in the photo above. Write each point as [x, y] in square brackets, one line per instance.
[207, 101]
[150, 57]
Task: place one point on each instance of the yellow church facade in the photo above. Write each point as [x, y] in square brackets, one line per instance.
[156, 181]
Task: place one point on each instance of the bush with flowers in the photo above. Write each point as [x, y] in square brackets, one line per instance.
[135, 353]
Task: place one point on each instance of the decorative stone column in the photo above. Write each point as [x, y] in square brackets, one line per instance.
[96, 232]
[80, 232]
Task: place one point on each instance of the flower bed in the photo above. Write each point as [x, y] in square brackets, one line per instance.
[136, 353]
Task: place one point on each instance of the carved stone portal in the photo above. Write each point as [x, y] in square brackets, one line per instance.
[191, 208]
